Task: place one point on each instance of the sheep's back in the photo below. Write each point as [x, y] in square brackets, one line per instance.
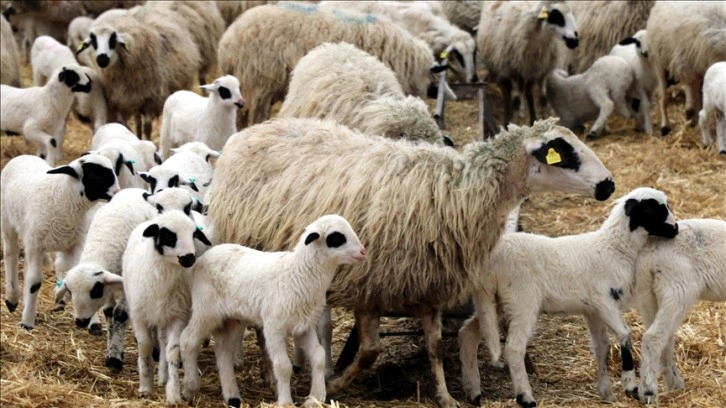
[9, 57]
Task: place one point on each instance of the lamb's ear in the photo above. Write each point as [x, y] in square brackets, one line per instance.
[629, 40]
[439, 68]
[207, 87]
[65, 170]
[119, 163]
[199, 235]
[152, 231]
[121, 40]
[61, 293]
[146, 196]
[145, 176]
[111, 278]
[630, 205]
[311, 237]
[157, 158]
[130, 165]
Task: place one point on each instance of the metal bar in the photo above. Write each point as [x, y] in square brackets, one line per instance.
[440, 99]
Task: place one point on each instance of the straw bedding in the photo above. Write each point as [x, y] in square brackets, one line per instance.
[58, 365]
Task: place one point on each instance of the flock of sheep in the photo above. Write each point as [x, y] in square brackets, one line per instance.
[349, 197]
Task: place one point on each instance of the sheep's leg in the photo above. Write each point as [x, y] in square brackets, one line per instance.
[145, 347]
[505, 84]
[265, 362]
[665, 127]
[163, 368]
[31, 285]
[324, 329]
[308, 341]
[47, 144]
[191, 339]
[369, 339]
[521, 327]
[530, 101]
[721, 134]
[64, 261]
[705, 124]
[173, 357]
[11, 252]
[147, 126]
[431, 321]
[612, 318]
[602, 100]
[282, 367]
[228, 340]
[671, 375]
[601, 349]
[137, 119]
[693, 100]
[116, 330]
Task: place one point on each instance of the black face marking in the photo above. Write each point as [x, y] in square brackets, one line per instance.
[630, 40]
[188, 208]
[165, 238]
[651, 215]
[97, 290]
[157, 158]
[82, 323]
[120, 315]
[99, 273]
[108, 312]
[311, 237]
[569, 158]
[224, 93]
[94, 42]
[151, 180]
[53, 143]
[174, 182]
[439, 68]
[97, 180]
[571, 43]
[199, 236]
[112, 41]
[604, 189]
[103, 60]
[335, 240]
[68, 77]
[151, 231]
[35, 287]
[616, 293]
[458, 56]
[159, 208]
[83, 88]
[555, 17]
[68, 170]
[187, 260]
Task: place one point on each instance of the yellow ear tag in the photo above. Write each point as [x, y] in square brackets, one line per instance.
[543, 14]
[553, 157]
[78, 49]
[127, 47]
[444, 54]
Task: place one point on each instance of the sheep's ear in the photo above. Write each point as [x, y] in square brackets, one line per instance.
[630, 205]
[121, 40]
[199, 235]
[145, 176]
[157, 158]
[439, 68]
[311, 237]
[130, 165]
[208, 87]
[152, 231]
[146, 196]
[629, 40]
[119, 164]
[111, 278]
[82, 46]
[65, 170]
[61, 293]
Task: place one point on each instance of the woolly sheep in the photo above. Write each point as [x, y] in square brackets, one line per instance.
[433, 201]
[156, 280]
[714, 104]
[518, 43]
[594, 94]
[671, 277]
[40, 113]
[190, 117]
[143, 57]
[250, 50]
[238, 286]
[45, 208]
[588, 274]
[146, 155]
[684, 39]
[80, 27]
[370, 99]
[9, 57]
[231, 9]
[463, 13]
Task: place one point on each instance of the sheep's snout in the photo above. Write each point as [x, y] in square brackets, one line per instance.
[571, 42]
[360, 256]
[82, 323]
[669, 231]
[604, 189]
[240, 103]
[187, 260]
[103, 60]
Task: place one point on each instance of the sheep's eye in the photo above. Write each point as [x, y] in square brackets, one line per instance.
[335, 240]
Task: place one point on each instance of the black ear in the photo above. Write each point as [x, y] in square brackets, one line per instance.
[119, 163]
[157, 158]
[188, 208]
[439, 68]
[146, 196]
[145, 177]
[630, 205]
[174, 182]
[311, 237]
[555, 17]
[64, 170]
[199, 235]
[629, 40]
[159, 208]
[84, 45]
[193, 186]
[152, 231]
[62, 75]
[97, 291]
[85, 154]
[130, 166]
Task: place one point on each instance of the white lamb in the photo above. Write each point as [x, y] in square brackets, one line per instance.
[124, 157]
[188, 167]
[146, 154]
[45, 208]
[589, 274]
[156, 282]
[671, 277]
[40, 113]
[189, 117]
[714, 104]
[283, 292]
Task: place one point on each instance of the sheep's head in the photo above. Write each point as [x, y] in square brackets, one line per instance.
[638, 39]
[198, 148]
[75, 78]
[96, 175]
[335, 238]
[173, 234]
[462, 58]
[648, 209]
[91, 286]
[559, 161]
[407, 118]
[106, 43]
[227, 88]
[175, 198]
[557, 16]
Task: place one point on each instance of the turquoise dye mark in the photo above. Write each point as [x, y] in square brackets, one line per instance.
[367, 19]
[303, 8]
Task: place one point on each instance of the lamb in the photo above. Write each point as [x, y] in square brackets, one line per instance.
[156, 282]
[684, 39]
[42, 207]
[250, 50]
[40, 113]
[189, 117]
[188, 167]
[47, 55]
[9, 57]
[517, 43]
[714, 104]
[463, 13]
[96, 281]
[146, 155]
[594, 94]
[588, 274]
[241, 282]
[143, 57]
[124, 157]
[689, 268]
[429, 215]
[370, 99]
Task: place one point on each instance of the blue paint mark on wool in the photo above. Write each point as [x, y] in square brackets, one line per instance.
[303, 8]
[367, 19]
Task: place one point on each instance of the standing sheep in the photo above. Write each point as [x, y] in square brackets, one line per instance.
[463, 13]
[684, 39]
[9, 57]
[370, 99]
[518, 43]
[714, 104]
[671, 277]
[428, 215]
[231, 9]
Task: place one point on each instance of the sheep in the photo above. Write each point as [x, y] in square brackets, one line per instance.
[47, 55]
[80, 27]
[671, 277]
[231, 9]
[9, 57]
[602, 24]
[146, 155]
[370, 99]
[40, 113]
[684, 39]
[251, 50]
[588, 274]
[421, 209]
[517, 43]
[594, 94]
[188, 167]
[241, 282]
[156, 273]
[45, 207]
[95, 282]
[714, 104]
[124, 157]
[143, 57]
[463, 13]
[188, 116]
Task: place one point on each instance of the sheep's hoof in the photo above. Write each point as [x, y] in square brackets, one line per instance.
[592, 135]
[524, 403]
[114, 364]
[632, 393]
[665, 130]
[649, 397]
[296, 369]
[155, 354]
[476, 400]
[26, 327]
[95, 329]
[721, 152]
[12, 306]
[234, 402]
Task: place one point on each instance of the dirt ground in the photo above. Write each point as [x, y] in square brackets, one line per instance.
[58, 365]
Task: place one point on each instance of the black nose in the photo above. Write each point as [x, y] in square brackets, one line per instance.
[82, 323]
[475, 78]
[571, 42]
[239, 105]
[603, 189]
[187, 260]
[103, 60]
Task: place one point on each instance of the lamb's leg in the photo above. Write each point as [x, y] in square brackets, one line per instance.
[31, 285]
[276, 347]
[671, 375]
[505, 84]
[11, 251]
[265, 362]
[145, 347]
[163, 368]
[705, 124]
[721, 134]
[308, 341]
[693, 100]
[324, 329]
[47, 144]
[64, 261]
[367, 322]
[530, 101]
[521, 327]
[173, 357]
[227, 341]
[602, 100]
[612, 318]
[431, 321]
[601, 350]
[116, 330]
[191, 339]
[665, 127]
